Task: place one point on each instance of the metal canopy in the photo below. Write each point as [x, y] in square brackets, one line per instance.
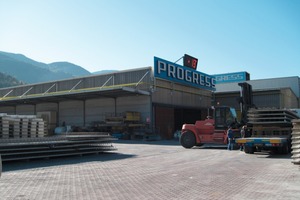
[83, 94]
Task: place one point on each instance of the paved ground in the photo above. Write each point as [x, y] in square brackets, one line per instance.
[153, 170]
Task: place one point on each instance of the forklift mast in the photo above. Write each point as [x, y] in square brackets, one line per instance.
[245, 100]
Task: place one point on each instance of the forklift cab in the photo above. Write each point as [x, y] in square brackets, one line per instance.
[224, 116]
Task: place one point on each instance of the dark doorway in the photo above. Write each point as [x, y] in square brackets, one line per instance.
[164, 121]
[169, 119]
[186, 116]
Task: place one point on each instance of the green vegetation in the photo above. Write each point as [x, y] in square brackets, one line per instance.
[8, 81]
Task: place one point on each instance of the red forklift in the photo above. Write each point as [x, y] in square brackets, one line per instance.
[214, 130]
[210, 131]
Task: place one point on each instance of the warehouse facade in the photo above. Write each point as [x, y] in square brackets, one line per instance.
[164, 97]
[281, 93]
[163, 105]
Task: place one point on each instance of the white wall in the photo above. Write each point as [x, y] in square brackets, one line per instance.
[97, 109]
[71, 112]
[25, 110]
[47, 107]
[136, 104]
[8, 109]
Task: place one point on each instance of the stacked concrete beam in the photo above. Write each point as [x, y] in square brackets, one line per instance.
[40, 127]
[21, 126]
[4, 126]
[14, 127]
[24, 127]
[296, 141]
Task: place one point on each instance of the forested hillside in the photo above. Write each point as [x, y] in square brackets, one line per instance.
[8, 81]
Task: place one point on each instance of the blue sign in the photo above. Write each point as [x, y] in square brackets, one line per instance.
[173, 72]
[232, 77]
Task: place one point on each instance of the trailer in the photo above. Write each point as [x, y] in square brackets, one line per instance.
[276, 144]
[268, 129]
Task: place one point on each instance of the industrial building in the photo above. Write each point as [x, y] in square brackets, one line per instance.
[267, 93]
[150, 100]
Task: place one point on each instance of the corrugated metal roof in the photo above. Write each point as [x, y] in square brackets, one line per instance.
[75, 95]
[122, 83]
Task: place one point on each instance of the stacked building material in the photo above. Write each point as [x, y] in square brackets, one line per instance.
[4, 126]
[271, 122]
[271, 116]
[296, 142]
[36, 127]
[124, 125]
[55, 146]
[22, 137]
[24, 127]
[21, 126]
[14, 127]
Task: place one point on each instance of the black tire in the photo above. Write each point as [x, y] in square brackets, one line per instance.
[248, 150]
[188, 140]
[285, 149]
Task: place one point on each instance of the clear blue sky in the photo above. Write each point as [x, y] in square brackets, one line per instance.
[261, 37]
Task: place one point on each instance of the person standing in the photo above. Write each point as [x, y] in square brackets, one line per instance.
[243, 134]
[230, 139]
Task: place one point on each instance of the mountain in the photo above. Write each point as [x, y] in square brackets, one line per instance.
[105, 71]
[24, 59]
[30, 71]
[26, 72]
[8, 81]
[67, 67]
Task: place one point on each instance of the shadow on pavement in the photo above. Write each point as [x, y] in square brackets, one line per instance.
[267, 154]
[69, 160]
[150, 142]
[212, 146]
[66, 160]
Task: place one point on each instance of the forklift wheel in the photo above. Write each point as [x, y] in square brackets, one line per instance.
[188, 140]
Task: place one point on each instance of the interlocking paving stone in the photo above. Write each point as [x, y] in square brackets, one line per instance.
[153, 170]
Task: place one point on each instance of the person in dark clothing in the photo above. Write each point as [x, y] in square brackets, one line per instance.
[230, 139]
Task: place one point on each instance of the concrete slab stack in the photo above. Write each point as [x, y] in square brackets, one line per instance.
[296, 141]
[25, 137]
[24, 127]
[56, 146]
[14, 127]
[21, 126]
[4, 126]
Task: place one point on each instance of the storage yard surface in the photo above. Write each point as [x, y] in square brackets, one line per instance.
[153, 170]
